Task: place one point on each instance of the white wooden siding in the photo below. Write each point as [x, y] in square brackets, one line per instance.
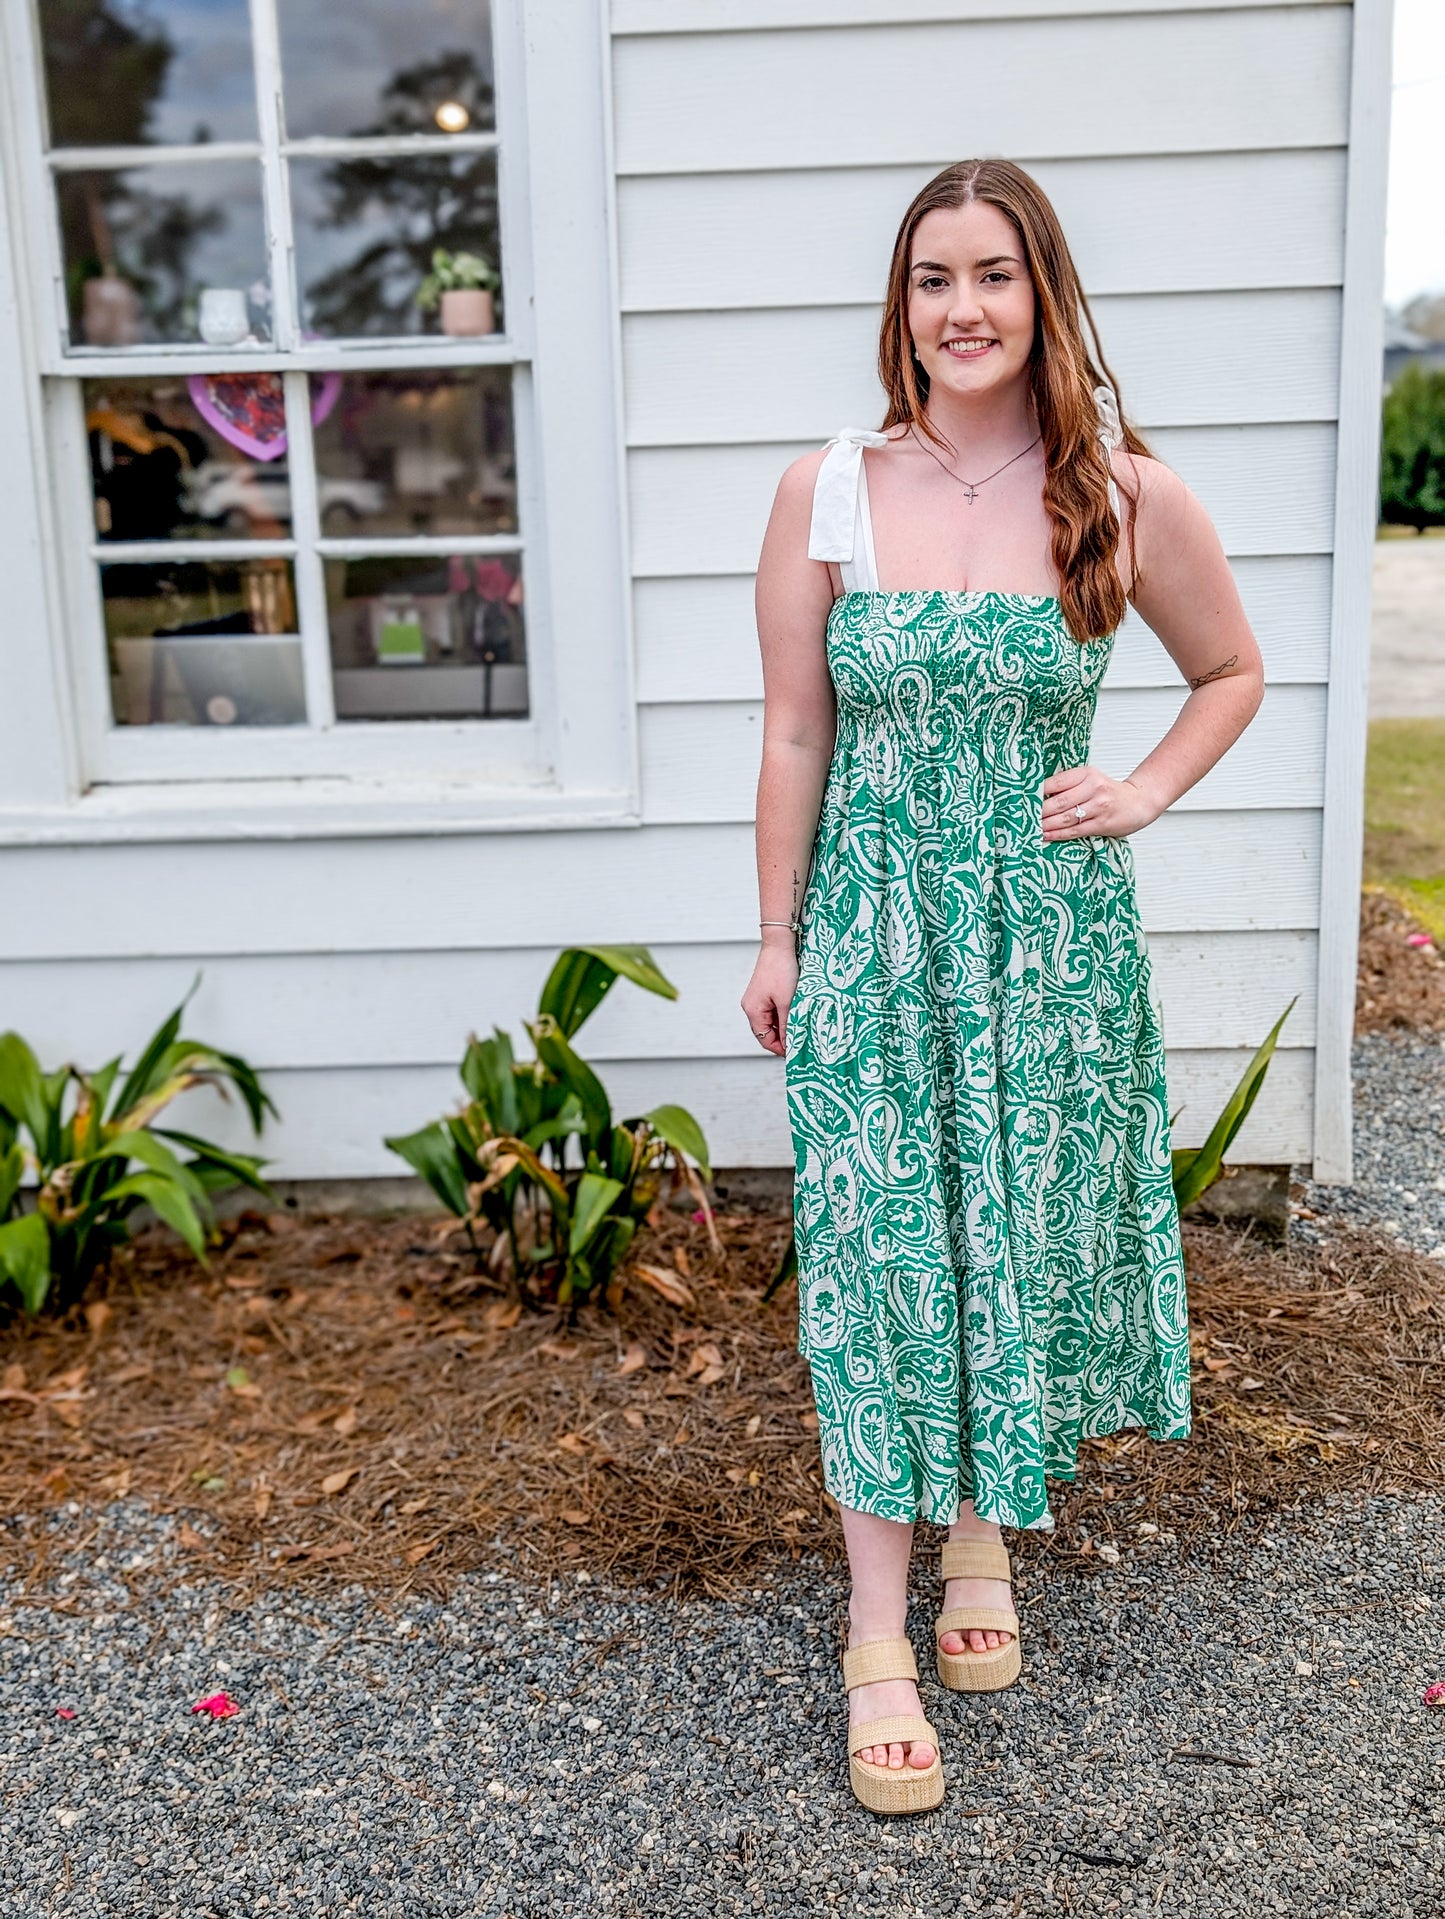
[760, 175]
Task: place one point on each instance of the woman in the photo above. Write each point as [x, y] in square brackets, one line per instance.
[952, 962]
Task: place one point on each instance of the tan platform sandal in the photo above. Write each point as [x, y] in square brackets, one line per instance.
[881, 1788]
[978, 1671]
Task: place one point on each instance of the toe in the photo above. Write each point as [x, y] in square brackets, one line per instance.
[952, 1642]
[920, 1753]
[895, 1758]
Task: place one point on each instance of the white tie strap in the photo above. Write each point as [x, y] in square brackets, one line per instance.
[835, 494]
[1111, 434]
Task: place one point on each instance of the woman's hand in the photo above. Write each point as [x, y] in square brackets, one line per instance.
[770, 994]
[1112, 807]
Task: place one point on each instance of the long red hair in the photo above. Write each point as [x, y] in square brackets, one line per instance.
[1062, 377]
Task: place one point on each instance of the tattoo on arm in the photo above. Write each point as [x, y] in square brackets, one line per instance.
[1215, 671]
[795, 892]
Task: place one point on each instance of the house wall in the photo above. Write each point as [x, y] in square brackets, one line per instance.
[1200, 159]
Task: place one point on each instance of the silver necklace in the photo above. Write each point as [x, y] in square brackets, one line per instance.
[970, 487]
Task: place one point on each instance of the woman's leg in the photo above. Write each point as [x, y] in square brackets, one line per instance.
[975, 1592]
[878, 1555]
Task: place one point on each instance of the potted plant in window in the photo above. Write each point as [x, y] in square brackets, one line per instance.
[462, 285]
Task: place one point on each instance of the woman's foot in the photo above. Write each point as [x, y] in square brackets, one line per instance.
[882, 1700]
[975, 1592]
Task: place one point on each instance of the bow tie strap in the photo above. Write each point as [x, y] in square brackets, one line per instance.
[1111, 434]
[835, 493]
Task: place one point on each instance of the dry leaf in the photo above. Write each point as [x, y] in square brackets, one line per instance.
[633, 1360]
[809, 1422]
[97, 1314]
[797, 1517]
[12, 1380]
[190, 1539]
[634, 1418]
[574, 1516]
[753, 1426]
[129, 1374]
[415, 1554]
[66, 1411]
[711, 1376]
[706, 1358]
[662, 1279]
[572, 1443]
[338, 1481]
[681, 1436]
[558, 1348]
[262, 1501]
[682, 1262]
[415, 1505]
[345, 1423]
[337, 1551]
[1218, 1365]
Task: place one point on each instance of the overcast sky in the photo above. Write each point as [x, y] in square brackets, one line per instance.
[1415, 222]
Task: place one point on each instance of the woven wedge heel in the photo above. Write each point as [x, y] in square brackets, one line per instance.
[881, 1788]
[978, 1671]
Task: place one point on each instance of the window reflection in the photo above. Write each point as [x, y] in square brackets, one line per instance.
[375, 67]
[141, 245]
[203, 643]
[201, 457]
[168, 73]
[429, 451]
[366, 230]
[427, 638]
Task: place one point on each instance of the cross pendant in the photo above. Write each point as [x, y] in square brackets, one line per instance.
[968, 493]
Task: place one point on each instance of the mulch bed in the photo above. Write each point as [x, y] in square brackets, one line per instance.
[1400, 985]
[336, 1400]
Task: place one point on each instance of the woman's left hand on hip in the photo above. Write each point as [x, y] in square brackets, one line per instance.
[1080, 801]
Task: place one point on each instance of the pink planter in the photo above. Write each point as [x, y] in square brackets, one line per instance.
[468, 311]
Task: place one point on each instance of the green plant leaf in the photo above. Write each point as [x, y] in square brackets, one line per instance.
[25, 1258]
[1204, 1168]
[217, 1167]
[593, 1200]
[22, 1089]
[582, 976]
[487, 1074]
[147, 1070]
[152, 1152]
[432, 1152]
[682, 1133]
[574, 1074]
[168, 1201]
[12, 1171]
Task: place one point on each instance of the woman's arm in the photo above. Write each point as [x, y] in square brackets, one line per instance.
[1186, 593]
[799, 726]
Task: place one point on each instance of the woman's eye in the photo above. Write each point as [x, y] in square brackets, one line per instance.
[997, 274]
[931, 281]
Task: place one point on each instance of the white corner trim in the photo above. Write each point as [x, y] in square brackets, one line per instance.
[1356, 512]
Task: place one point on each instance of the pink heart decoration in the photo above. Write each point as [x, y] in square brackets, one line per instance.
[249, 409]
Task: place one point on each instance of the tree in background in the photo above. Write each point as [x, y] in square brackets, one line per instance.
[1425, 315]
[1412, 450]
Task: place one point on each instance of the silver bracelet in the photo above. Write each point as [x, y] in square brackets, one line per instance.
[793, 926]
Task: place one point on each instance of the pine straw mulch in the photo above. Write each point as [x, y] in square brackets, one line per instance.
[395, 1421]
[1398, 986]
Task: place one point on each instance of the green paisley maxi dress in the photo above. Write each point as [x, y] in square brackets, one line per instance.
[989, 1260]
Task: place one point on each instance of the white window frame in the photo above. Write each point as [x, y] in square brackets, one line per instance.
[574, 758]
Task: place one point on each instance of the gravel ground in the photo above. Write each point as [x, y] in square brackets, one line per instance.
[1399, 1152]
[522, 1752]
[576, 1750]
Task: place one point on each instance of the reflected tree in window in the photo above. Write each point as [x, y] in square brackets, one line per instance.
[411, 205]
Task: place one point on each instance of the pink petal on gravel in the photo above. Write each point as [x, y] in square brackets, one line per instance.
[1418, 939]
[220, 1705]
[1435, 1695]
[699, 1215]
[65, 1712]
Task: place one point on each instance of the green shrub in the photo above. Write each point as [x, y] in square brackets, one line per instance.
[535, 1154]
[1412, 449]
[89, 1144]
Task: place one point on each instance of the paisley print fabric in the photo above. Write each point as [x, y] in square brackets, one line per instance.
[988, 1243]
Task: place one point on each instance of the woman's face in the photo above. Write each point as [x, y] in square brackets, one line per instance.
[970, 300]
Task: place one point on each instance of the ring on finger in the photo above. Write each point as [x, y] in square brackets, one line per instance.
[1080, 810]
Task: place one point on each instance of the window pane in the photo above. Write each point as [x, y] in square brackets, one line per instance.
[425, 638]
[423, 452]
[366, 230]
[372, 66]
[140, 246]
[164, 73]
[201, 457]
[192, 643]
